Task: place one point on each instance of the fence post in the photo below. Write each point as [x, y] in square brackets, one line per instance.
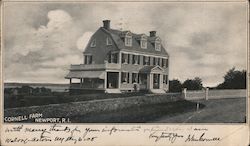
[184, 91]
[206, 93]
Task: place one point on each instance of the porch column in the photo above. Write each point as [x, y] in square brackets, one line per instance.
[70, 80]
[105, 80]
[151, 81]
[81, 82]
[161, 81]
[119, 80]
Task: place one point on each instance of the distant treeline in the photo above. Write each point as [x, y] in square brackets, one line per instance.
[27, 90]
[233, 79]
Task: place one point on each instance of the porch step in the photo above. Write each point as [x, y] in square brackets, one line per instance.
[113, 91]
[158, 91]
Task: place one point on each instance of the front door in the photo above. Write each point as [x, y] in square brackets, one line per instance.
[143, 81]
[112, 79]
[156, 81]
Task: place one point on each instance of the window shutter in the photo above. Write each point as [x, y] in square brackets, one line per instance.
[128, 77]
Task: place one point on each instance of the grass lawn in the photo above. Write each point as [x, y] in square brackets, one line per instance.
[212, 111]
[231, 110]
[137, 114]
[36, 100]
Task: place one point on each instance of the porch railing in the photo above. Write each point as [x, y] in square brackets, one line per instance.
[95, 66]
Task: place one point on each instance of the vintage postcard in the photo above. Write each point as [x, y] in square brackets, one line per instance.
[124, 73]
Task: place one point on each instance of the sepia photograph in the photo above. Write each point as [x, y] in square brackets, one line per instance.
[125, 62]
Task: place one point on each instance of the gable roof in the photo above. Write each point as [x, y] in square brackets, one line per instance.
[148, 69]
[117, 37]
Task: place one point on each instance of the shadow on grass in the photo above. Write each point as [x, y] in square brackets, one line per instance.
[139, 114]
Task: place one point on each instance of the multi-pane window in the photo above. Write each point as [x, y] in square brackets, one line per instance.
[146, 60]
[93, 43]
[113, 58]
[166, 62]
[156, 61]
[159, 61]
[125, 58]
[135, 78]
[128, 40]
[125, 77]
[88, 59]
[165, 79]
[143, 42]
[108, 41]
[136, 59]
[158, 45]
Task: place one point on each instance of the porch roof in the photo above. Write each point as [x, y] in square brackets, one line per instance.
[149, 69]
[86, 74]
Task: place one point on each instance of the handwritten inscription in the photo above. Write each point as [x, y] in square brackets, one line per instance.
[77, 134]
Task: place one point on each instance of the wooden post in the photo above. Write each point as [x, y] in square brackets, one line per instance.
[161, 81]
[206, 93]
[105, 80]
[70, 81]
[197, 106]
[184, 91]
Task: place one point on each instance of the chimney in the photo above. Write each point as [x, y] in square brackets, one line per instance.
[106, 24]
[152, 33]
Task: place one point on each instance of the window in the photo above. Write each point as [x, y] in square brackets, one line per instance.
[143, 42]
[159, 61]
[125, 58]
[113, 58]
[157, 46]
[146, 60]
[93, 43]
[165, 79]
[125, 77]
[166, 62]
[88, 59]
[136, 59]
[128, 39]
[135, 78]
[156, 61]
[108, 41]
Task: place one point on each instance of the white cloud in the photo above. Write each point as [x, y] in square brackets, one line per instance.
[202, 39]
[83, 40]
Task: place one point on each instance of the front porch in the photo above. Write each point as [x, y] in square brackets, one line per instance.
[149, 78]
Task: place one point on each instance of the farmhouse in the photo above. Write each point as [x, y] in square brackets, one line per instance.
[115, 61]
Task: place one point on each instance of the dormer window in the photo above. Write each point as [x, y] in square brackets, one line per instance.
[143, 41]
[108, 41]
[128, 39]
[93, 43]
[157, 44]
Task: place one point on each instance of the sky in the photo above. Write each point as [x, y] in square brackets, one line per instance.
[204, 40]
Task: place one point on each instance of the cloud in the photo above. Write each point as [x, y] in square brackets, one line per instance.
[83, 40]
[44, 49]
[203, 39]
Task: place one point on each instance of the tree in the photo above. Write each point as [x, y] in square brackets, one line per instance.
[234, 79]
[193, 84]
[174, 85]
